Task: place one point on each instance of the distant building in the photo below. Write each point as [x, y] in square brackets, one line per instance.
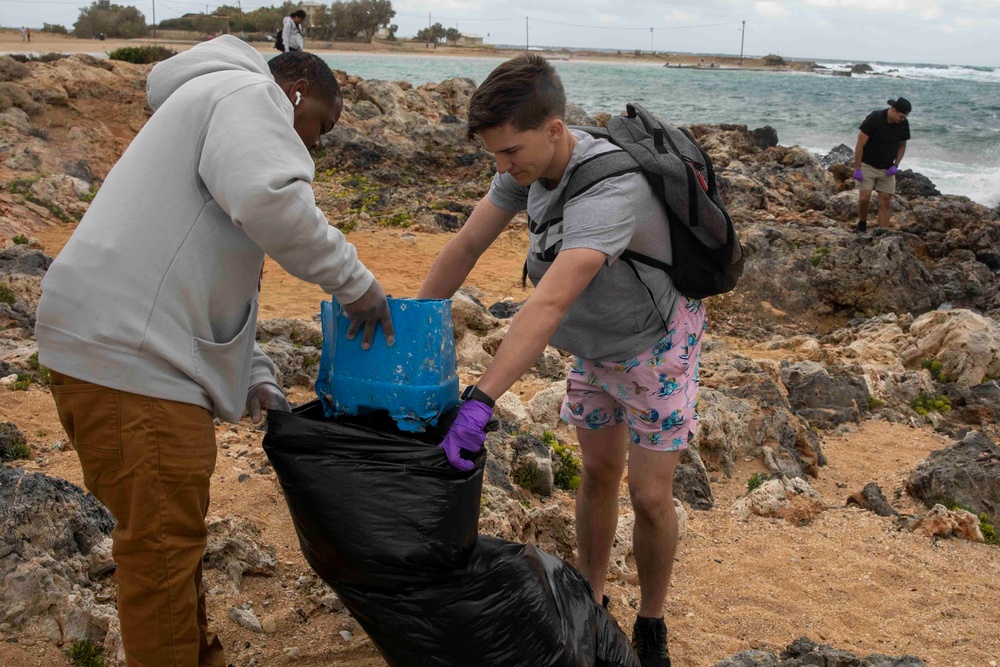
[469, 39]
[311, 9]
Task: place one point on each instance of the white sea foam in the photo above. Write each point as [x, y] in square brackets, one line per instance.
[927, 72]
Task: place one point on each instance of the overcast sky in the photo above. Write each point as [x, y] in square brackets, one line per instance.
[916, 31]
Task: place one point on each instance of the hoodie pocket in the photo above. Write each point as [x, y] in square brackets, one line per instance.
[223, 369]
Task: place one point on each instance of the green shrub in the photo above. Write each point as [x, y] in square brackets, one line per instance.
[526, 475]
[86, 654]
[934, 366]
[567, 474]
[22, 383]
[818, 255]
[398, 219]
[20, 239]
[990, 535]
[44, 374]
[754, 482]
[142, 55]
[7, 295]
[54, 28]
[926, 403]
[874, 403]
[13, 446]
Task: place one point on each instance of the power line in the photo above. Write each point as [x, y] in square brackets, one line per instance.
[608, 27]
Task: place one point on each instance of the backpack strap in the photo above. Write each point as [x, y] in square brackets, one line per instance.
[597, 168]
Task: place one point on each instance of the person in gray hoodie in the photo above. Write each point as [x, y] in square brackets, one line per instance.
[148, 316]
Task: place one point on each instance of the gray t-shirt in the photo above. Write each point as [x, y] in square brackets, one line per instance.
[615, 317]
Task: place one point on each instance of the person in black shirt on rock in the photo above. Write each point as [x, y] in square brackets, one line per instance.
[881, 145]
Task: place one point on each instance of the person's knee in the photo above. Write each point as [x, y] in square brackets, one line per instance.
[652, 504]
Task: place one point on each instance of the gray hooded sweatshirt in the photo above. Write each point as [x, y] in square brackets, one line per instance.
[156, 291]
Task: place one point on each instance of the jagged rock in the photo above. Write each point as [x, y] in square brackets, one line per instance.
[691, 482]
[966, 344]
[575, 115]
[804, 652]
[913, 184]
[871, 498]
[55, 555]
[505, 309]
[764, 137]
[840, 154]
[236, 549]
[861, 68]
[825, 396]
[294, 363]
[12, 441]
[468, 313]
[510, 409]
[550, 366]
[966, 473]
[791, 499]
[545, 406]
[245, 618]
[942, 522]
[873, 276]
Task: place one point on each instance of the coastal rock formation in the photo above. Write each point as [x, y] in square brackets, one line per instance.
[965, 474]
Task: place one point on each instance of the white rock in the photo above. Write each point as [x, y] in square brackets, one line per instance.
[345, 635]
[510, 409]
[8, 380]
[293, 653]
[546, 404]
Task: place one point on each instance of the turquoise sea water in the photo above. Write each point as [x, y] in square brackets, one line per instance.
[955, 124]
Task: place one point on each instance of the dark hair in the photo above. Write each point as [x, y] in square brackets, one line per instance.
[294, 65]
[524, 91]
[301, 13]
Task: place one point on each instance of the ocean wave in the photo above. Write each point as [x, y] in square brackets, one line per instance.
[927, 72]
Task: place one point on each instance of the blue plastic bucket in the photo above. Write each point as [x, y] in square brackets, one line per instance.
[415, 380]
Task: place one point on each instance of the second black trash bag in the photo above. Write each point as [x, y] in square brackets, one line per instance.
[386, 521]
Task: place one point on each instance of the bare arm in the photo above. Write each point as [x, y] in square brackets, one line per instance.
[538, 319]
[859, 149]
[460, 255]
[900, 153]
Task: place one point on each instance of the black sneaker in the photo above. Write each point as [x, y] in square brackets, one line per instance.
[649, 638]
[861, 227]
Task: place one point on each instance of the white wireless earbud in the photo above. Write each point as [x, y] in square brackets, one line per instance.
[298, 97]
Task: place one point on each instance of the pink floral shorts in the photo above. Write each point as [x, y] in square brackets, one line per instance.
[655, 392]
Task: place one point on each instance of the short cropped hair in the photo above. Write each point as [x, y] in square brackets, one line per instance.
[301, 13]
[524, 91]
[294, 65]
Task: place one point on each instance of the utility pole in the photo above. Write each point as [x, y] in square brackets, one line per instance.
[526, 34]
[154, 19]
[743, 31]
[650, 40]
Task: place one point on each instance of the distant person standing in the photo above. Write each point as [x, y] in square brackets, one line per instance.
[291, 31]
[880, 148]
[23, 34]
[27, 33]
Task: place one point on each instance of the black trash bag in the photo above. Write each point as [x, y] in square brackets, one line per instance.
[386, 521]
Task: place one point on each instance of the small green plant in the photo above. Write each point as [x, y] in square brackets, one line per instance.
[20, 239]
[7, 295]
[818, 254]
[44, 374]
[934, 366]
[141, 55]
[89, 197]
[13, 446]
[925, 404]
[567, 475]
[526, 475]
[754, 482]
[398, 219]
[990, 535]
[22, 383]
[86, 654]
[874, 403]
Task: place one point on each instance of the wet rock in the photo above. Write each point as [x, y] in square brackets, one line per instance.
[913, 184]
[840, 154]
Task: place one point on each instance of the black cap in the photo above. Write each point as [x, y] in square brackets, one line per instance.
[902, 105]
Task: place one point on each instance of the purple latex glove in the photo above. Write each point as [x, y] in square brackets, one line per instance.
[891, 171]
[466, 433]
[859, 175]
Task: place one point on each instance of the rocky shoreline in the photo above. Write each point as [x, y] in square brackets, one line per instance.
[827, 329]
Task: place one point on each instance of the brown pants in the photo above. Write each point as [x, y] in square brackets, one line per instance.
[149, 461]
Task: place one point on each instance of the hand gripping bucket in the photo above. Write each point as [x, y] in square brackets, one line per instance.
[415, 380]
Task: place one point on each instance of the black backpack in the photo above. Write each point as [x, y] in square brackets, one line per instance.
[279, 40]
[707, 255]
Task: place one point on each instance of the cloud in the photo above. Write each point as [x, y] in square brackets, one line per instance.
[771, 8]
[928, 10]
[608, 19]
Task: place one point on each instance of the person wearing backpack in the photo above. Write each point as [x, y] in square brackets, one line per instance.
[632, 389]
[290, 38]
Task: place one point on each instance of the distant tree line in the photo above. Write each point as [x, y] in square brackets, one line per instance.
[437, 32]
